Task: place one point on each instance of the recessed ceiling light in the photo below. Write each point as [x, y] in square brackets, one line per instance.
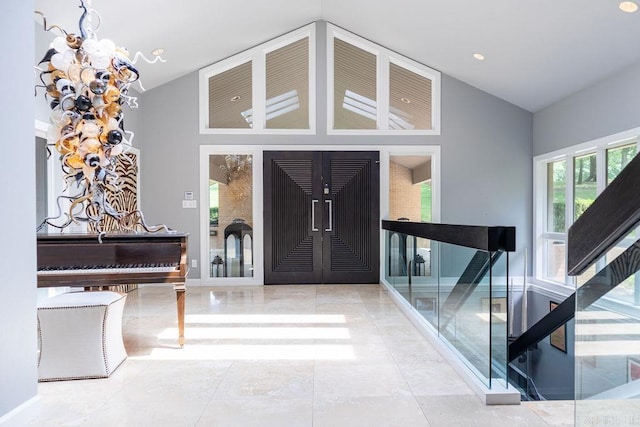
[628, 6]
[478, 56]
[235, 98]
[405, 100]
[157, 51]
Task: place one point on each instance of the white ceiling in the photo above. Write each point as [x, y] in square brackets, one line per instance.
[537, 51]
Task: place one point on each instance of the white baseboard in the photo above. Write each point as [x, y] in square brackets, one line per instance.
[193, 282]
[249, 282]
[22, 414]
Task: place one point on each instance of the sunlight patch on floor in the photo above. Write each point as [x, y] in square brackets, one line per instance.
[265, 318]
[262, 333]
[251, 352]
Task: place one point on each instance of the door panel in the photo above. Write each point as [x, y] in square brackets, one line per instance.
[351, 248]
[292, 250]
[321, 217]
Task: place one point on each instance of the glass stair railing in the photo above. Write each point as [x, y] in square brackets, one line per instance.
[607, 343]
[471, 277]
[598, 325]
[455, 277]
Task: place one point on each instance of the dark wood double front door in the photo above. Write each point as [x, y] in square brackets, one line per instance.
[321, 217]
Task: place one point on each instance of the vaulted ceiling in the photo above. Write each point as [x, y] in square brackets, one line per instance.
[537, 51]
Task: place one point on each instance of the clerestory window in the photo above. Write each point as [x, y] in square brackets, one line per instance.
[267, 89]
[374, 90]
[271, 89]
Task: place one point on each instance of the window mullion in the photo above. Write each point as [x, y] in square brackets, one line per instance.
[540, 207]
[330, 78]
[382, 89]
[601, 169]
[570, 202]
[259, 89]
[569, 207]
[601, 183]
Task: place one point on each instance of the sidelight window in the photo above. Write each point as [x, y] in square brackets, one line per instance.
[230, 215]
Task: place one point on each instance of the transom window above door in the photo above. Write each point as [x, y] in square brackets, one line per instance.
[267, 89]
[374, 90]
[271, 88]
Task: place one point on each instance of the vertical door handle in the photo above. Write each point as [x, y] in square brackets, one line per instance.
[313, 215]
[330, 216]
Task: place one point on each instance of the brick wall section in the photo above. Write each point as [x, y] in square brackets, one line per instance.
[404, 196]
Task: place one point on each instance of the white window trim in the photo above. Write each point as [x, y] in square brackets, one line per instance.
[383, 58]
[257, 55]
[258, 200]
[598, 146]
[258, 235]
[55, 179]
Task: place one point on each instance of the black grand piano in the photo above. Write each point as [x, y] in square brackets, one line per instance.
[82, 260]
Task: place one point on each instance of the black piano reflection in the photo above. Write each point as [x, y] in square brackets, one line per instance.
[81, 260]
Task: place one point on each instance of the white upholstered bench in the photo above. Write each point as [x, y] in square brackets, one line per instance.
[80, 335]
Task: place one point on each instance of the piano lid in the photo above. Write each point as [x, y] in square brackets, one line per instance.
[74, 251]
[122, 237]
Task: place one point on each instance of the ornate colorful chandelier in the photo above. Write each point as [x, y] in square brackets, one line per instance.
[87, 82]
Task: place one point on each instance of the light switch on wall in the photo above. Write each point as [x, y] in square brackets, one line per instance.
[194, 263]
[189, 204]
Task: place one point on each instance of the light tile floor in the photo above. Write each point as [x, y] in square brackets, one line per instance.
[307, 355]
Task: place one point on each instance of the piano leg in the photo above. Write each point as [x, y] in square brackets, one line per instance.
[180, 297]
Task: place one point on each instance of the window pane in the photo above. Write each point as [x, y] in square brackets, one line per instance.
[231, 215]
[586, 275]
[354, 87]
[410, 187]
[230, 95]
[409, 99]
[618, 158]
[555, 260]
[629, 290]
[556, 194]
[410, 197]
[426, 201]
[287, 103]
[584, 183]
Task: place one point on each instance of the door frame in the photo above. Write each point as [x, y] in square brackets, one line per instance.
[386, 151]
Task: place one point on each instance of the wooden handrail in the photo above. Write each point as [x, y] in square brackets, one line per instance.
[612, 215]
[471, 236]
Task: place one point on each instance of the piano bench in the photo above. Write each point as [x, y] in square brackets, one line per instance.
[80, 335]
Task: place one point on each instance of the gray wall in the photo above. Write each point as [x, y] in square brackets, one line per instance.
[608, 107]
[486, 154]
[486, 162]
[18, 375]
